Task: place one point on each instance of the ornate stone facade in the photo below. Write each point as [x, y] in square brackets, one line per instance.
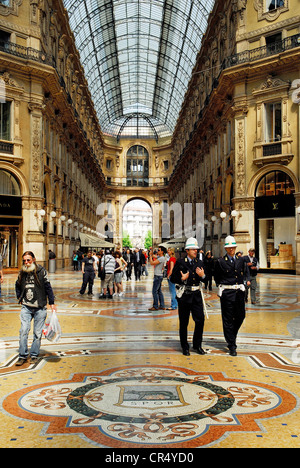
[238, 123]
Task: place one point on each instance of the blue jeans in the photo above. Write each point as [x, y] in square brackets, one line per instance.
[157, 293]
[172, 290]
[39, 317]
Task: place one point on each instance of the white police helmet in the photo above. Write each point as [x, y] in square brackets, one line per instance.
[192, 243]
[230, 242]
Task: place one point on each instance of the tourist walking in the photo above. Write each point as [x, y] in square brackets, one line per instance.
[170, 265]
[253, 266]
[209, 270]
[107, 267]
[188, 274]
[159, 265]
[88, 268]
[119, 268]
[231, 275]
[128, 257]
[33, 289]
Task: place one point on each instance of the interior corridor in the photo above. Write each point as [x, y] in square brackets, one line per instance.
[117, 378]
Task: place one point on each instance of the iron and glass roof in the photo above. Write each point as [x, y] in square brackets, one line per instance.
[138, 56]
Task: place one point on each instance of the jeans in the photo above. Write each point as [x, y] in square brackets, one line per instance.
[172, 290]
[157, 293]
[39, 318]
[88, 279]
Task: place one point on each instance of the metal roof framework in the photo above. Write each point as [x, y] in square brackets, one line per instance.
[138, 56]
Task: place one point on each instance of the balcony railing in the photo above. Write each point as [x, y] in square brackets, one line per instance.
[262, 52]
[6, 147]
[272, 149]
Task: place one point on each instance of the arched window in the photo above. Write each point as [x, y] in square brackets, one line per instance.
[275, 183]
[8, 184]
[137, 167]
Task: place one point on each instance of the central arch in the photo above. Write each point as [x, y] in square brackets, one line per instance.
[137, 221]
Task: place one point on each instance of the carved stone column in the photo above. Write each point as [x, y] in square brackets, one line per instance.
[244, 222]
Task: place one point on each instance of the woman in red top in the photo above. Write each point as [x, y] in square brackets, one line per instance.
[170, 265]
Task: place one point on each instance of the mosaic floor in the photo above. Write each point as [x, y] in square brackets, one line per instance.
[117, 378]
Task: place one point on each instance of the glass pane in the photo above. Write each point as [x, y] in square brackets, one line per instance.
[128, 37]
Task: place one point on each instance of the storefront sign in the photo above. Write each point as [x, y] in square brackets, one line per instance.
[10, 206]
[280, 206]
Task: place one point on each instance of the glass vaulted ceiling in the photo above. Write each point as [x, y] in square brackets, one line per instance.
[138, 56]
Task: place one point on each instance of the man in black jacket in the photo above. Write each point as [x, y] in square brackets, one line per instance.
[138, 260]
[253, 266]
[32, 290]
[231, 276]
[188, 273]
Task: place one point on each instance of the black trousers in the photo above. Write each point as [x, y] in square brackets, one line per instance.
[190, 304]
[88, 279]
[233, 314]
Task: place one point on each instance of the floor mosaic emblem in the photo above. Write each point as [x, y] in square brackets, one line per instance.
[150, 406]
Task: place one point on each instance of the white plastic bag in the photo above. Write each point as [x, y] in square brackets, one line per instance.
[52, 330]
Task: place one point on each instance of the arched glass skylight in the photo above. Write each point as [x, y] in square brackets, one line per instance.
[138, 56]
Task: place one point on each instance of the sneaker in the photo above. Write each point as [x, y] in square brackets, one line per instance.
[21, 361]
[33, 359]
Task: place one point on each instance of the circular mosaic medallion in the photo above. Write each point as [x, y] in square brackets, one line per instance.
[150, 406]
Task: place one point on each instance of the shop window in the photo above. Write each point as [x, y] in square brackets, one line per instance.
[8, 184]
[275, 183]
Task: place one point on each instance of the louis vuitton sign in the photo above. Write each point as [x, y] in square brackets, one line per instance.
[281, 206]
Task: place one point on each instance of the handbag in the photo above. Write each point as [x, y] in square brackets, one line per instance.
[52, 330]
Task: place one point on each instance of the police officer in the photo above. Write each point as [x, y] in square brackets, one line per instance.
[231, 276]
[188, 273]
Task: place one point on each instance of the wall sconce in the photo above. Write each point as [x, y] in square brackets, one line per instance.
[213, 218]
[235, 214]
[53, 214]
[42, 212]
[223, 215]
[75, 224]
[80, 226]
[62, 218]
[70, 221]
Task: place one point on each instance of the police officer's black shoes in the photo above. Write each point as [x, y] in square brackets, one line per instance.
[199, 350]
[185, 352]
[232, 352]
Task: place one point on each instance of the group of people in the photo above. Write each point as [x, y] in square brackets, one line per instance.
[110, 267]
[232, 274]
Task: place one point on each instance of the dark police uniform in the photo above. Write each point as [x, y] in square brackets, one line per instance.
[229, 275]
[190, 302]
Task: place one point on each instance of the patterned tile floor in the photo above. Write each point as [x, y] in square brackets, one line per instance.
[117, 378]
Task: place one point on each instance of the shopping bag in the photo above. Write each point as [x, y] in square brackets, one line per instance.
[52, 330]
